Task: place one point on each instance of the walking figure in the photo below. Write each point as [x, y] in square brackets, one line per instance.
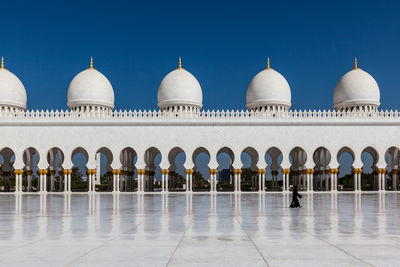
[295, 201]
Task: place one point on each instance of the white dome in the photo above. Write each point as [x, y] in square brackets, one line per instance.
[268, 88]
[356, 88]
[179, 88]
[90, 88]
[12, 91]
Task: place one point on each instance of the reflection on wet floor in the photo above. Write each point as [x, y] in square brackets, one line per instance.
[226, 229]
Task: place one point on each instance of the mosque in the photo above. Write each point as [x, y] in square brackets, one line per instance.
[304, 145]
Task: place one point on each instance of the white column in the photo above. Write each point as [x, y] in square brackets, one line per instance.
[17, 178]
[16, 181]
[191, 180]
[234, 181]
[263, 179]
[119, 180]
[65, 173]
[142, 181]
[166, 180]
[139, 186]
[334, 179]
[94, 180]
[211, 180]
[359, 180]
[45, 180]
[259, 181]
[89, 179]
[20, 180]
[239, 178]
[187, 180]
[69, 180]
[355, 171]
[163, 181]
[114, 179]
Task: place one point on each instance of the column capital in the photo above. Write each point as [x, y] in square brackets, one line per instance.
[52, 172]
[140, 171]
[381, 171]
[30, 172]
[18, 171]
[395, 171]
[188, 171]
[213, 171]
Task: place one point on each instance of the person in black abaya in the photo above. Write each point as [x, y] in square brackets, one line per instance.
[295, 201]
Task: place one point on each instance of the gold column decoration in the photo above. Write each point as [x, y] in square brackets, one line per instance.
[18, 171]
[394, 171]
[213, 171]
[140, 171]
[381, 171]
[286, 171]
[189, 171]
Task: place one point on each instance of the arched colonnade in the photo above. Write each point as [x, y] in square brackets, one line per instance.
[128, 170]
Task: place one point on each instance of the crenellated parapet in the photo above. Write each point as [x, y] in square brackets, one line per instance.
[159, 115]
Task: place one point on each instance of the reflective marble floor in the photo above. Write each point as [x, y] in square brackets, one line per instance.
[199, 230]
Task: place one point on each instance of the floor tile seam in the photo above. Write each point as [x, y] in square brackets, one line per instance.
[333, 245]
[29, 243]
[370, 232]
[180, 241]
[252, 242]
[101, 245]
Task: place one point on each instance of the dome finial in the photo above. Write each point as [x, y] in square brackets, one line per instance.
[2, 63]
[268, 66]
[180, 63]
[355, 63]
[91, 63]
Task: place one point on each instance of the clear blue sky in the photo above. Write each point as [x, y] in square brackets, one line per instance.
[224, 44]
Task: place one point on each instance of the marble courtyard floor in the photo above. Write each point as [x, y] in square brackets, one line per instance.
[181, 230]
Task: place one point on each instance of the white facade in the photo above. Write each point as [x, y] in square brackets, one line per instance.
[310, 142]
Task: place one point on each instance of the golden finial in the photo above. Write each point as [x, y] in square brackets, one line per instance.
[180, 63]
[268, 66]
[2, 63]
[355, 63]
[91, 63]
